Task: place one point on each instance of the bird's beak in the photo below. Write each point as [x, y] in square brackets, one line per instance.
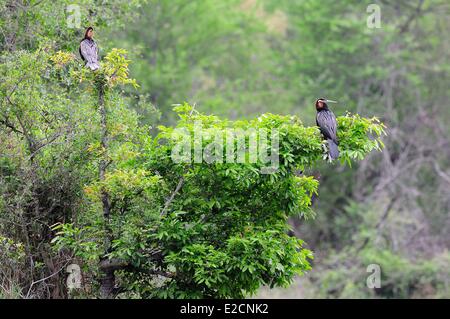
[330, 101]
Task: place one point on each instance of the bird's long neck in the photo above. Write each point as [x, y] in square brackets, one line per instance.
[323, 108]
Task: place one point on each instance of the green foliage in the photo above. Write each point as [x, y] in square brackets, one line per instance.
[11, 252]
[52, 131]
[240, 266]
[352, 134]
[221, 233]
[70, 237]
[113, 69]
[12, 256]
[224, 233]
[229, 221]
[400, 277]
[55, 22]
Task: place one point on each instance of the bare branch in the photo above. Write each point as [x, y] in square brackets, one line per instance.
[43, 279]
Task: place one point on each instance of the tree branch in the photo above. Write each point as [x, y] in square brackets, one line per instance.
[179, 185]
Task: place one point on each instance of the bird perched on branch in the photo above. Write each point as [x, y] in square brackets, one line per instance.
[326, 121]
[89, 50]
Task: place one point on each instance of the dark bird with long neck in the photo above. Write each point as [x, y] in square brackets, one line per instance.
[326, 121]
[88, 50]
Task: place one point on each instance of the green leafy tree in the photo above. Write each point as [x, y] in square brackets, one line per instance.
[197, 230]
[43, 148]
[29, 24]
[45, 125]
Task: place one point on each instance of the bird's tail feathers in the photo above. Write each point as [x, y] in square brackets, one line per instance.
[334, 151]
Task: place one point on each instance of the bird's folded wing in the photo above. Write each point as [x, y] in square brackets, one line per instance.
[87, 52]
[327, 123]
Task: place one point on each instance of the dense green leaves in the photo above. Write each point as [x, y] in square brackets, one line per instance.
[225, 233]
[220, 230]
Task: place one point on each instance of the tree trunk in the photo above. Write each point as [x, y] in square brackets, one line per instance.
[107, 280]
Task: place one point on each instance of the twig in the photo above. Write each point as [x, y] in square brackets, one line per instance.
[415, 14]
[380, 222]
[10, 126]
[169, 201]
[441, 173]
[43, 279]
